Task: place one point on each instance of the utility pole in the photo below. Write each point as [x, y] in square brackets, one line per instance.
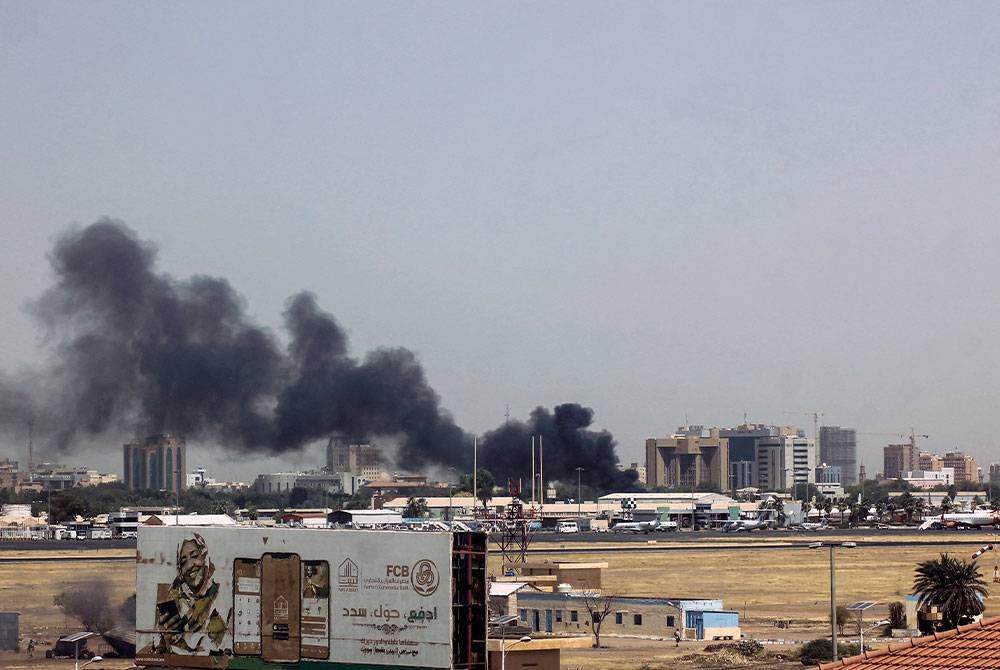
[578, 489]
[31, 449]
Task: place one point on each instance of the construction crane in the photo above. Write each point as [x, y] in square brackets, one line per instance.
[913, 435]
[815, 415]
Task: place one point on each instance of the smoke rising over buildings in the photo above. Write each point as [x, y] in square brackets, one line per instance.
[133, 351]
[566, 444]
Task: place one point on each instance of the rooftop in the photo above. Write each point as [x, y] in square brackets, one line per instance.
[975, 646]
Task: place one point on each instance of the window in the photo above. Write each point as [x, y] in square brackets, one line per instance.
[559, 614]
[637, 619]
[618, 617]
[573, 616]
[524, 614]
[670, 621]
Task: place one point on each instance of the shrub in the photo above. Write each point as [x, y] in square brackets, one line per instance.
[749, 648]
[897, 615]
[821, 650]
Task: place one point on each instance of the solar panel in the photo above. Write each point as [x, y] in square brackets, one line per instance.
[861, 606]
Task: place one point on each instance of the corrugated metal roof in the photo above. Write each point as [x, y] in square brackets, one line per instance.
[507, 588]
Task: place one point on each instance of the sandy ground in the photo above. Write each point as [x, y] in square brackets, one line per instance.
[12, 661]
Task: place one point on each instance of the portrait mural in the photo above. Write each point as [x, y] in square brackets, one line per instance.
[188, 620]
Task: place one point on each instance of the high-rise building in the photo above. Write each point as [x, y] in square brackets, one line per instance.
[743, 450]
[357, 457]
[966, 468]
[900, 458]
[839, 447]
[994, 473]
[785, 462]
[157, 463]
[930, 462]
[692, 456]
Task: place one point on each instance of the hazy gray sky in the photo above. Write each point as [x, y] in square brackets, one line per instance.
[668, 212]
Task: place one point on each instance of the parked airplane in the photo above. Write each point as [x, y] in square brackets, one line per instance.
[738, 525]
[976, 519]
[811, 526]
[635, 526]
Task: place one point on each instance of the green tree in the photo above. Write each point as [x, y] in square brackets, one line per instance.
[843, 618]
[897, 614]
[954, 585]
[65, 506]
[485, 483]
[298, 496]
[416, 508]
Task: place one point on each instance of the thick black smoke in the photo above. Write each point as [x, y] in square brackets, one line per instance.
[566, 444]
[137, 352]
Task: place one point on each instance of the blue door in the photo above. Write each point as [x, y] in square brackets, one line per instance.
[535, 621]
[548, 621]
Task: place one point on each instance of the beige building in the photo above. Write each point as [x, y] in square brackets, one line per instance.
[536, 654]
[966, 468]
[547, 575]
[694, 619]
[692, 456]
[358, 458]
[900, 458]
[930, 462]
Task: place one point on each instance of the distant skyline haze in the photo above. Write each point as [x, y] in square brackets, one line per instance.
[664, 212]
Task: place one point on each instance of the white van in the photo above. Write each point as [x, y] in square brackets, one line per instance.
[567, 527]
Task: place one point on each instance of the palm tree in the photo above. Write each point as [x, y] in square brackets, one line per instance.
[954, 585]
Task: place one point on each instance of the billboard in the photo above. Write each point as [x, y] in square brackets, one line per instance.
[237, 597]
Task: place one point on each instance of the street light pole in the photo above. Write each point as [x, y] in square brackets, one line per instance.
[833, 585]
[833, 600]
[451, 488]
[578, 489]
[503, 649]
[76, 657]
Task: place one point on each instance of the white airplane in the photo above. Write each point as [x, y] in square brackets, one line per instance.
[635, 526]
[812, 526]
[978, 519]
[738, 525]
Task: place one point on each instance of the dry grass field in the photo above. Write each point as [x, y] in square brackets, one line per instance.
[763, 584]
[29, 588]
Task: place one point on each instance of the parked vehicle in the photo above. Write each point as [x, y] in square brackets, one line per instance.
[567, 527]
[72, 646]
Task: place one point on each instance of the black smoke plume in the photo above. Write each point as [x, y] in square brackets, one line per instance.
[563, 439]
[137, 352]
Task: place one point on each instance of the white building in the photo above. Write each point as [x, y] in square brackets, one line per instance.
[785, 462]
[928, 479]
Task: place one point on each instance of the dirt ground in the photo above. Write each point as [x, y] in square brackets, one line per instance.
[30, 587]
[787, 585]
[770, 587]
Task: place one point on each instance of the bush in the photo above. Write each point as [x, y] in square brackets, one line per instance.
[821, 650]
[897, 615]
[749, 648]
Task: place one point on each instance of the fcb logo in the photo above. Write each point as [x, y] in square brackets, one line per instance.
[424, 577]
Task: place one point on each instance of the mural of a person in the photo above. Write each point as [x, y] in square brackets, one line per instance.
[187, 617]
[315, 579]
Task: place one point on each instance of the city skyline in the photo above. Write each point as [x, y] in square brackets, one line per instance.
[668, 213]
